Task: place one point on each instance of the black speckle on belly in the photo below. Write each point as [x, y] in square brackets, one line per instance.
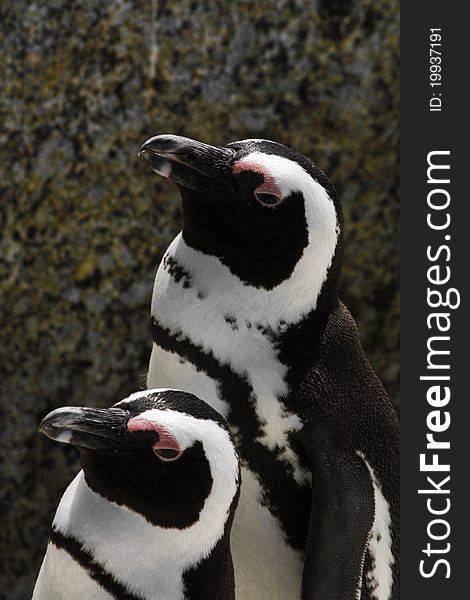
[176, 271]
[232, 321]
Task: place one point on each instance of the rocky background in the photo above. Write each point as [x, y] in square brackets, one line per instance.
[84, 223]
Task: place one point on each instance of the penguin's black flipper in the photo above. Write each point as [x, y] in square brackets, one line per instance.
[342, 516]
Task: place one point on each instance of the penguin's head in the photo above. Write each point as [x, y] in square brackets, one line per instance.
[257, 205]
[160, 453]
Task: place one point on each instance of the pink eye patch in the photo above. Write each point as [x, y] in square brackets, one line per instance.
[166, 441]
[269, 186]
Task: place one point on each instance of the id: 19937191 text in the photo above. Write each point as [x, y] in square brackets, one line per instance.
[435, 69]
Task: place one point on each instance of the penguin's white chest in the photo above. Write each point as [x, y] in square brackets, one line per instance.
[265, 566]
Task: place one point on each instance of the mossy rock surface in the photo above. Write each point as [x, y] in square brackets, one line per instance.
[84, 223]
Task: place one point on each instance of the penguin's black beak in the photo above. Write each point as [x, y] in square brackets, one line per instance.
[91, 428]
[188, 163]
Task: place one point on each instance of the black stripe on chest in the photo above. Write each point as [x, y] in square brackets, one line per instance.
[93, 568]
[288, 501]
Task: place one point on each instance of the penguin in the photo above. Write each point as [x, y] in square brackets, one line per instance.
[246, 314]
[148, 517]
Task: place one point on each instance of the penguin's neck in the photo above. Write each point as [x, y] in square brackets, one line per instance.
[170, 563]
[193, 287]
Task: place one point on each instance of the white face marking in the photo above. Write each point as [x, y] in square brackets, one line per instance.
[187, 430]
[265, 566]
[380, 578]
[296, 296]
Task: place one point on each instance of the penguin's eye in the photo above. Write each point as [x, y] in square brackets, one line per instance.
[268, 199]
[167, 454]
